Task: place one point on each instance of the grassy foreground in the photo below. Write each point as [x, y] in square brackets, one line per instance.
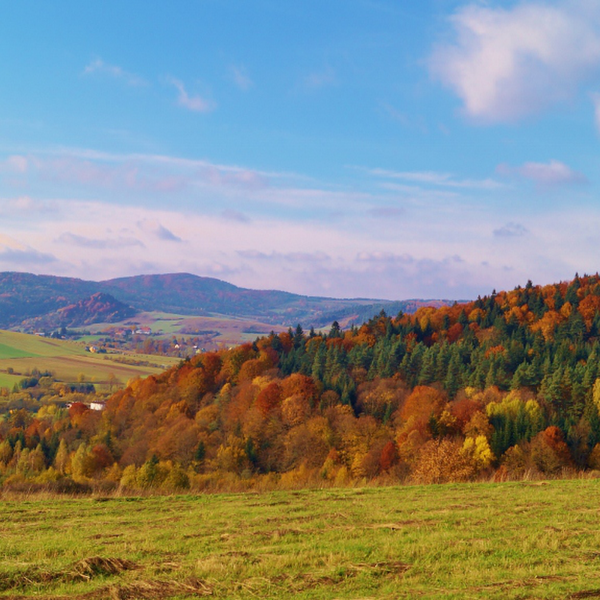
[508, 540]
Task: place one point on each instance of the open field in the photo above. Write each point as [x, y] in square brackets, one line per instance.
[475, 541]
[67, 360]
[219, 331]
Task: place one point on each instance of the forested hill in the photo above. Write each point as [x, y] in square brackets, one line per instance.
[508, 384]
[26, 296]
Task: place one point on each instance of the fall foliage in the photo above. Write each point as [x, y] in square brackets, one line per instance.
[507, 384]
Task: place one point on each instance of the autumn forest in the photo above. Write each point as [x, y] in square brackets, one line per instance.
[504, 387]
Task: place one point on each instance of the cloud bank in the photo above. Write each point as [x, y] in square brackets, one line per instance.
[396, 234]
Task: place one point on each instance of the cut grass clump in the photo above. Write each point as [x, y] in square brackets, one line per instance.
[87, 568]
[25, 578]
[83, 570]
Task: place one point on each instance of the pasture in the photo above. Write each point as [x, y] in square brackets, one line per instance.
[468, 541]
[68, 361]
[217, 331]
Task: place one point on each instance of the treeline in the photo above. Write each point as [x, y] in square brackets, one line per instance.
[505, 386]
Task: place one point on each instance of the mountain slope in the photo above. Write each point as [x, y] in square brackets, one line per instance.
[97, 308]
[24, 296]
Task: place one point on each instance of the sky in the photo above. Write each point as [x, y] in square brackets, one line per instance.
[350, 148]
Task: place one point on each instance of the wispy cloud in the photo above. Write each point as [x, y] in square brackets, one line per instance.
[98, 244]
[157, 160]
[233, 215]
[293, 257]
[16, 163]
[511, 230]
[98, 66]
[166, 235]
[25, 206]
[239, 76]
[507, 63]
[28, 258]
[436, 179]
[386, 212]
[194, 103]
[552, 173]
[157, 230]
[243, 178]
[404, 119]
[320, 79]
[19, 254]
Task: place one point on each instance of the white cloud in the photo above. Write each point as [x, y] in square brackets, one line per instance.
[552, 173]
[99, 66]
[194, 103]
[508, 63]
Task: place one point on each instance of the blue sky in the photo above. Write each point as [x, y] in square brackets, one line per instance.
[370, 148]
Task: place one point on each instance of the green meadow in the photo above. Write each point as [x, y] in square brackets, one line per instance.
[69, 361]
[473, 541]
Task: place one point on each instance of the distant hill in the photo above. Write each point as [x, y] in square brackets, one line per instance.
[98, 308]
[23, 295]
[46, 298]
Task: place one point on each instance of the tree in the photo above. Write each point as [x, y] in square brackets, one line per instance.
[442, 461]
[61, 460]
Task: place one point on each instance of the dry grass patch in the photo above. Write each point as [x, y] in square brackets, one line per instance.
[94, 566]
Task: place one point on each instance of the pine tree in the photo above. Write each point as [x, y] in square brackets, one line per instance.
[453, 381]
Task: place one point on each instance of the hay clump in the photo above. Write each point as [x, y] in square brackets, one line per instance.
[91, 567]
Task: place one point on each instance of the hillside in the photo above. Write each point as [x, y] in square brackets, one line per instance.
[24, 296]
[98, 308]
[507, 385]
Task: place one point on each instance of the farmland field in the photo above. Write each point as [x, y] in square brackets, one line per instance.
[503, 541]
[68, 361]
[219, 331]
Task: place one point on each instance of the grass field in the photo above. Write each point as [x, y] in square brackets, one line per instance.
[470, 541]
[67, 360]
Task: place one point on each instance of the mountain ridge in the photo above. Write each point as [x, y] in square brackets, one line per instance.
[25, 297]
